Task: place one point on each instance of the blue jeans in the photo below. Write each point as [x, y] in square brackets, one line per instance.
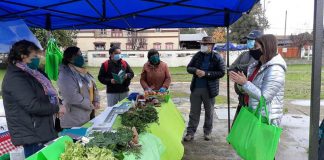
[30, 149]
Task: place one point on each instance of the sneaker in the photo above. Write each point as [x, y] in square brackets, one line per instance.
[207, 137]
[188, 138]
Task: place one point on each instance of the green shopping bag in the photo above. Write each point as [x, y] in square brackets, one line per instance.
[53, 59]
[252, 135]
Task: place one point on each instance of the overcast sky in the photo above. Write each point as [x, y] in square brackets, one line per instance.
[299, 17]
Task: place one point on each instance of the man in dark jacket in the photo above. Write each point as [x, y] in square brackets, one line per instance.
[207, 68]
[242, 63]
[116, 90]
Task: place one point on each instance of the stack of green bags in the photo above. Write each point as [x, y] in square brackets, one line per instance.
[53, 59]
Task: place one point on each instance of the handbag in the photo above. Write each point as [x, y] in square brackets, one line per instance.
[252, 136]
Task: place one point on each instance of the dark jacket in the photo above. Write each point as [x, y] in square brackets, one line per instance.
[241, 64]
[29, 113]
[215, 72]
[105, 77]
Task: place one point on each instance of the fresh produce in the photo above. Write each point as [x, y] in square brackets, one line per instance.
[119, 142]
[111, 139]
[150, 93]
[76, 151]
[140, 118]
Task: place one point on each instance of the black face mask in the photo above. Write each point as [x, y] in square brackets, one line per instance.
[256, 53]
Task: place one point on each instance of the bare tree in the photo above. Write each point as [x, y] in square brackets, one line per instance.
[136, 41]
[301, 40]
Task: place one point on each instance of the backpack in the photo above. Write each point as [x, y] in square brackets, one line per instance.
[106, 64]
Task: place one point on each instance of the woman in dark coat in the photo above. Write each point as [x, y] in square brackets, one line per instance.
[29, 99]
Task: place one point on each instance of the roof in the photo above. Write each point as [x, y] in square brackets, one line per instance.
[192, 37]
[124, 14]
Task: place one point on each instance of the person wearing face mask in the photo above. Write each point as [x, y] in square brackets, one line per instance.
[115, 91]
[77, 88]
[207, 67]
[241, 65]
[266, 78]
[155, 75]
[29, 98]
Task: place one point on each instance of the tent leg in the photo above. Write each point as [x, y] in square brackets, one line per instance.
[316, 80]
[228, 83]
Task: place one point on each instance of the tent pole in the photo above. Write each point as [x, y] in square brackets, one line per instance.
[48, 27]
[316, 79]
[227, 23]
[228, 82]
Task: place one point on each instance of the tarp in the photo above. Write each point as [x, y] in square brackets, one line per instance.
[13, 31]
[231, 47]
[125, 14]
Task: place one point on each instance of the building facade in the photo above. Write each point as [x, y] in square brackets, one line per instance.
[100, 40]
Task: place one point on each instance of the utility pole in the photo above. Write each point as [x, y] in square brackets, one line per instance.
[264, 7]
[285, 24]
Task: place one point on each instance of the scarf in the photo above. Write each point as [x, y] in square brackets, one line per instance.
[45, 82]
[83, 76]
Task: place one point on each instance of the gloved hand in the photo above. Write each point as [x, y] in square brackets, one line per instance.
[162, 90]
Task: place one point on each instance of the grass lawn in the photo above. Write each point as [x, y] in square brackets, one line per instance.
[298, 80]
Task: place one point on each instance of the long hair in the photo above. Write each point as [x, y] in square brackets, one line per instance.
[268, 44]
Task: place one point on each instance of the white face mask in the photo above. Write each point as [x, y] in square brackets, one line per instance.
[203, 48]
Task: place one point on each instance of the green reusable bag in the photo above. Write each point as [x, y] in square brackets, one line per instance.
[53, 59]
[252, 135]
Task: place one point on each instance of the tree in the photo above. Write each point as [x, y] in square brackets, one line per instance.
[209, 31]
[219, 35]
[301, 40]
[137, 42]
[64, 38]
[255, 20]
[187, 31]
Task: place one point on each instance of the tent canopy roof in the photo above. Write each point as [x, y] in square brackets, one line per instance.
[124, 14]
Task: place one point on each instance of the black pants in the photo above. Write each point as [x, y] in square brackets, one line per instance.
[92, 114]
[201, 96]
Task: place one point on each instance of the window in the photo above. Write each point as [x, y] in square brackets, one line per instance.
[157, 46]
[157, 29]
[103, 32]
[99, 55]
[143, 47]
[116, 33]
[129, 46]
[100, 46]
[169, 46]
[117, 44]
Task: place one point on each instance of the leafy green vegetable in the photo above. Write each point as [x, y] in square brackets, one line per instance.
[76, 151]
[118, 142]
[140, 118]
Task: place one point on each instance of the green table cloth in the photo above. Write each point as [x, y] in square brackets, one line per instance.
[53, 151]
[170, 130]
[162, 141]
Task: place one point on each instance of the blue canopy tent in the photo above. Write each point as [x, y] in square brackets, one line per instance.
[231, 47]
[133, 15]
[241, 47]
[125, 14]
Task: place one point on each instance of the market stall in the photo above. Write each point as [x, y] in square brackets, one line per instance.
[132, 15]
[160, 140]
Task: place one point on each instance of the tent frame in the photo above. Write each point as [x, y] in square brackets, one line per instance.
[317, 43]
[316, 80]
